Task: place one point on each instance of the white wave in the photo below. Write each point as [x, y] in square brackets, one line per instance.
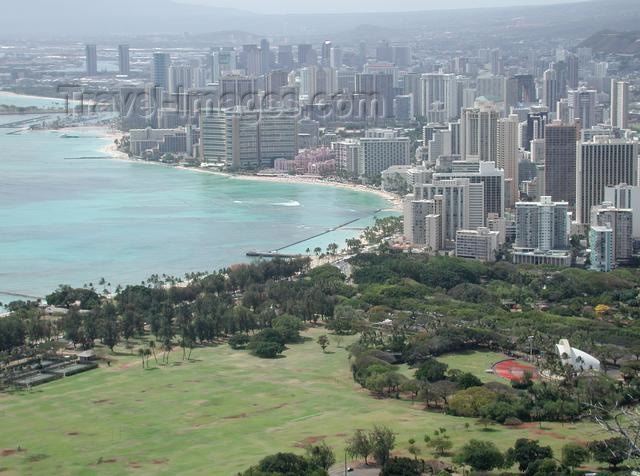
[290, 203]
[238, 201]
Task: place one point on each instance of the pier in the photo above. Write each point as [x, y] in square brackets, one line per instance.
[23, 122]
[276, 253]
[20, 295]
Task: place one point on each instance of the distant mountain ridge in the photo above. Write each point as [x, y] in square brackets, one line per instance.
[102, 18]
[621, 42]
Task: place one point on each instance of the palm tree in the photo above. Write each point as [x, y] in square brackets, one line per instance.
[141, 354]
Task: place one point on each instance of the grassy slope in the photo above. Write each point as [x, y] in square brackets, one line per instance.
[216, 415]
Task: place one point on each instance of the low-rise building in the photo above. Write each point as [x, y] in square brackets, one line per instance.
[481, 244]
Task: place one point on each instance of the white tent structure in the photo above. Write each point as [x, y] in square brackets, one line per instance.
[579, 360]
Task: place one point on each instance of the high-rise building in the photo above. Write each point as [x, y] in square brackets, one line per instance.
[380, 149]
[222, 62]
[481, 244]
[265, 56]
[560, 162]
[161, 63]
[91, 55]
[479, 132]
[377, 92]
[582, 106]
[542, 225]
[423, 221]
[463, 205]
[248, 139]
[492, 179]
[306, 55]
[620, 221]
[601, 244]
[180, 79]
[626, 197]
[326, 53]
[347, 153]
[236, 90]
[253, 60]
[550, 89]
[508, 156]
[601, 163]
[439, 97]
[619, 104]
[285, 57]
[124, 63]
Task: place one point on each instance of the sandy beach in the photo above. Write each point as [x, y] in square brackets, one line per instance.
[111, 150]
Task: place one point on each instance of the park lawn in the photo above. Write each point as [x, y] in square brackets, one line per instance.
[215, 415]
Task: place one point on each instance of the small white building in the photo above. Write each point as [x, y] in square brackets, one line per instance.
[579, 360]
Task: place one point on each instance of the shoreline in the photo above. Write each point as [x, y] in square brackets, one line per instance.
[395, 201]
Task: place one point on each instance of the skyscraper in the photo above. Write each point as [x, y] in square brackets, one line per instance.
[601, 163]
[619, 104]
[91, 54]
[161, 63]
[508, 155]
[123, 59]
[560, 161]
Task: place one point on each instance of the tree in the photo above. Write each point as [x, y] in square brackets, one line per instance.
[109, 326]
[480, 455]
[323, 342]
[360, 445]
[431, 371]
[413, 449]
[267, 350]
[401, 467]
[440, 443]
[612, 451]
[321, 456]
[574, 455]
[525, 451]
[468, 380]
[543, 467]
[152, 347]
[283, 464]
[382, 442]
[141, 354]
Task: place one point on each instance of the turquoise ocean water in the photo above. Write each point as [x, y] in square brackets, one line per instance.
[75, 221]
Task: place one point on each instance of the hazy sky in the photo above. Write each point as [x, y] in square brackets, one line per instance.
[331, 6]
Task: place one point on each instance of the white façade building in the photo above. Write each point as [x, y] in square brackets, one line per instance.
[579, 360]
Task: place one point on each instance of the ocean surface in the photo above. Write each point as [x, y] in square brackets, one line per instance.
[68, 220]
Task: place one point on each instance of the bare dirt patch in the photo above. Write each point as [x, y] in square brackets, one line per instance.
[311, 440]
[236, 417]
[160, 461]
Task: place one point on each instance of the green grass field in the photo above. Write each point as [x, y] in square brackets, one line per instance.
[475, 362]
[216, 415]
